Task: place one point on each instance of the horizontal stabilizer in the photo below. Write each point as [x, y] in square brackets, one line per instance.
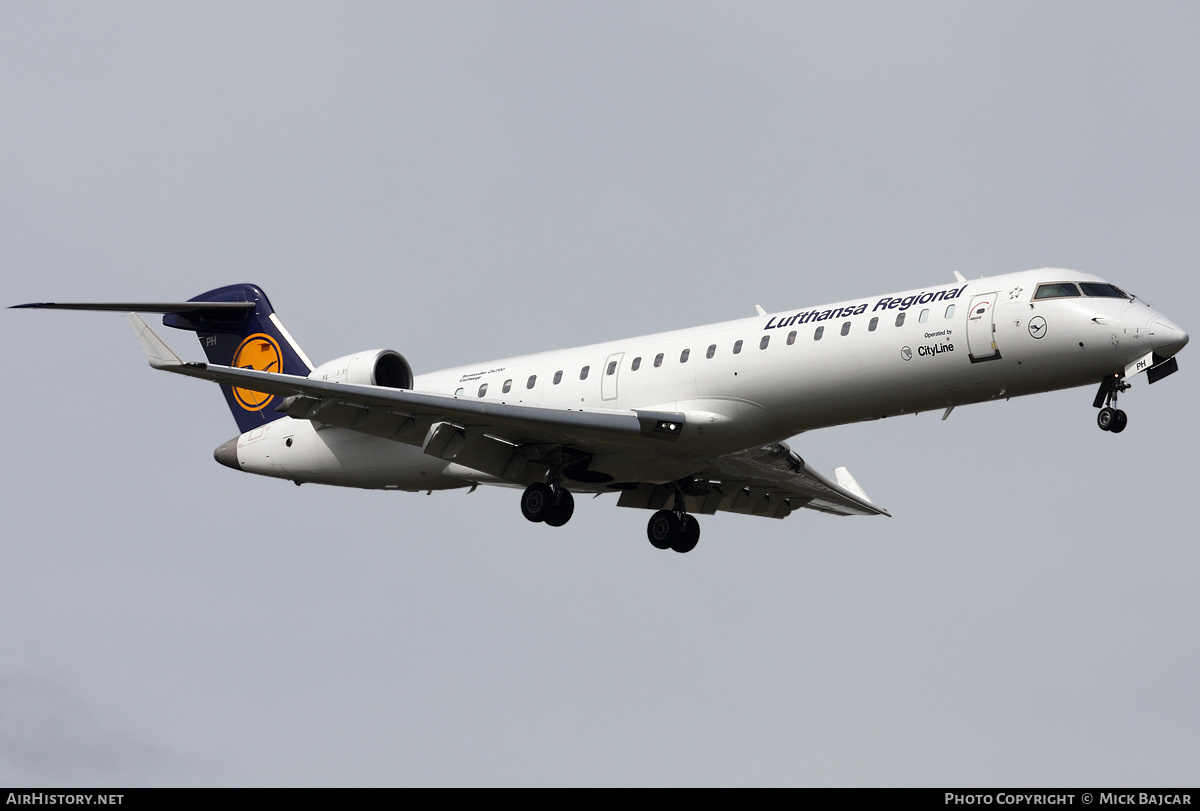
[236, 326]
[214, 307]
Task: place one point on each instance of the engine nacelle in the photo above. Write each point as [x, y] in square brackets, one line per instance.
[375, 367]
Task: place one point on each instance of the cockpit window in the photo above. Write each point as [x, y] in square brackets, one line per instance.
[1056, 290]
[1102, 290]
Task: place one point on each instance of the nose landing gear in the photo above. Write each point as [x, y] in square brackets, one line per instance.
[1110, 417]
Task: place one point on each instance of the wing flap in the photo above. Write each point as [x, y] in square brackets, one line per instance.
[773, 493]
[771, 481]
[777, 482]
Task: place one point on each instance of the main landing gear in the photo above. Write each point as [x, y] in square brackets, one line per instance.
[552, 504]
[674, 529]
[1110, 417]
[667, 530]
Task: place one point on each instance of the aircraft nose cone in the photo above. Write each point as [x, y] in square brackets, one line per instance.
[226, 454]
[1166, 338]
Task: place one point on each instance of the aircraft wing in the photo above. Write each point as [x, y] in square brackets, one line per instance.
[399, 413]
[501, 439]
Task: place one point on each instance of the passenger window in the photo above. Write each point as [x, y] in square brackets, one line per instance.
[531, 381]
[637, 364]
[791, 337]
[950, 311]
[612, 368]
[507, 386]
[875, 322]
[483, 390]
[766, 339]
[583, 372]
[846, 328]
[658, 360]
[817, 335]
[712, 350]
[558, 377]
[924, 316]
[683, 356]
[900, 319]
[737, 347]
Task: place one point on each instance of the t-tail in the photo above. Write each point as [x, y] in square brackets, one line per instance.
[237, 327]
[250, 338]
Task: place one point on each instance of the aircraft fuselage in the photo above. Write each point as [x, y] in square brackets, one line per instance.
[754, 381]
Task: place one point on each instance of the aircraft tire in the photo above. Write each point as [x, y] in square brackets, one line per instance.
[1119, 422]
[663, 529]
[1106, 418]
[537, 502]
[562, 509]
[689, 535]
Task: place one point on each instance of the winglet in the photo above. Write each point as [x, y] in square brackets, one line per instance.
[847, 482]
[157, 352]
[959, 276]
[761, 311]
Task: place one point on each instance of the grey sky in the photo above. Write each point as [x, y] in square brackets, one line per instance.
[461, 181]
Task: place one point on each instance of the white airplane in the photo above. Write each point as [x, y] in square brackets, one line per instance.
[684, 422]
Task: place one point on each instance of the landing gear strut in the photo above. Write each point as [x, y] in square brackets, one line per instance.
[1110, 417]
[674, 529]
[552, 504]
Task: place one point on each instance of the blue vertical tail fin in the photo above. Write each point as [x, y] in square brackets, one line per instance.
[245, 338]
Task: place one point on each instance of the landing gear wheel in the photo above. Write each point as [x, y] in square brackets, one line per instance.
[537, 502]
[1119, 423]
[664, 529]
[562, 509]
[1110, 417]
[689, 535]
